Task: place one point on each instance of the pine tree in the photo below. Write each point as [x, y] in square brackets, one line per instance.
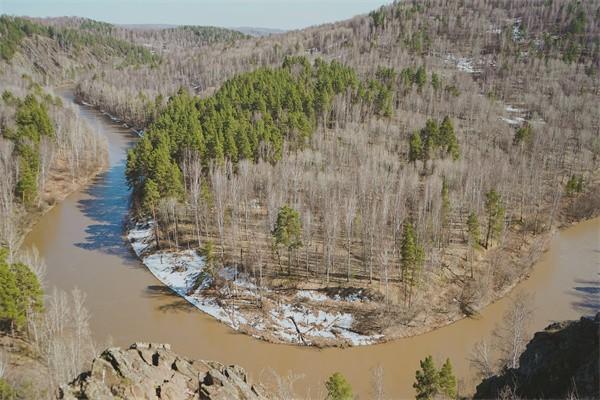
[574, 185]
[446, 209]
[150, 204]
[523, 135]
[415, 148]
[473, 230]
[208, 252]
[30, 294]
[436, 82]
[495, 214]
[448, 138]
[421, 78]
[288, 231]
[427, 380]
[26, 188]
[338, 388]
[412, 260]
[9, 293]
[447, 380]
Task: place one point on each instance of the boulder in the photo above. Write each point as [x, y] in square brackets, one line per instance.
[153, 371]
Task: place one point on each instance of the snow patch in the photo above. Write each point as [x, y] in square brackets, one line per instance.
[311, 295]
[184, 273]
[462, 63]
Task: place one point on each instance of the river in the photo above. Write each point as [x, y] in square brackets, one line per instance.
[82, 242]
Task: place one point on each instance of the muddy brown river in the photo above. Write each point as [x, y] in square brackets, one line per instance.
[82, 242]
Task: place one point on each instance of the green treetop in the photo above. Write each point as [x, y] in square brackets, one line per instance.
[495, 213]
[473, 230]
[447, 380]
[413, 256]
[426, 384]
[338, 388]
[431, 383]
[288, 230]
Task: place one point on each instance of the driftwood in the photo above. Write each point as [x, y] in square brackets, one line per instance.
[298, 330]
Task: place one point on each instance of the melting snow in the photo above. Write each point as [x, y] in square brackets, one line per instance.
[181, 270]
[462, 63]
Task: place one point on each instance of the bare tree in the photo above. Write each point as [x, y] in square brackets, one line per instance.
[377, 383]
[512, 335]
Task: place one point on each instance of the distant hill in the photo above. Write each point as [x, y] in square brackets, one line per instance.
[253, 31]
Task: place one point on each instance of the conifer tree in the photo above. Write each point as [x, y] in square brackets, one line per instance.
[473, 230]
[412, 260]
[446, 209]
[415, 148]
[338, 388]
[436, 82]
[150, 204]
[9, 293]
[448, 138]
[447, 380]
[427, 380]
[288, 231]
[495, 214]
[30, 294]
[421, 78]
[523, 135]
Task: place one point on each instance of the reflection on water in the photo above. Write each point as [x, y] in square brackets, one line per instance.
[587, 296]
[82, 242]
[106, 203]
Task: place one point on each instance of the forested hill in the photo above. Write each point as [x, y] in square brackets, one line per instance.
[427, 146]
[64, 48]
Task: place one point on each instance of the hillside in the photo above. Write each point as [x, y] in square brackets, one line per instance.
[346, 184]
[393, 177]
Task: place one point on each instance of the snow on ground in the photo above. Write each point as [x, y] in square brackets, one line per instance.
[516, 117]
[352, 297]
[182, 272]
[462, 63]
[513, 121]
[311, 295]
[512, 109]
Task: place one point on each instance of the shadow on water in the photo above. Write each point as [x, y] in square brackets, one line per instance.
[107, 204]
[587, 294]
[178, 303]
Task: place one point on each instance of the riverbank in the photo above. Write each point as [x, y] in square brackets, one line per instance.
[334, 316]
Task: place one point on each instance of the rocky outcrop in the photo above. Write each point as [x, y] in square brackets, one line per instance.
[559, 361]
[153, 371]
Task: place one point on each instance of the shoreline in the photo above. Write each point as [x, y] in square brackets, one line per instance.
[141, 241]
[32, 217]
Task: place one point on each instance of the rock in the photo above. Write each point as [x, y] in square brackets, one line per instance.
[153, 371]
[558, 361]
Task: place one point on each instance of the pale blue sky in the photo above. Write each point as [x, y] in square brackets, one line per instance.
[283, 14]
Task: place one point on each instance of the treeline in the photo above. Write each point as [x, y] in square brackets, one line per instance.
[199, 35]
[41, 141]
[250, 117]
[14, 29]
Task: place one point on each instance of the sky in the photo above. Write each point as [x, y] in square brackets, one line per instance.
[280, 14]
